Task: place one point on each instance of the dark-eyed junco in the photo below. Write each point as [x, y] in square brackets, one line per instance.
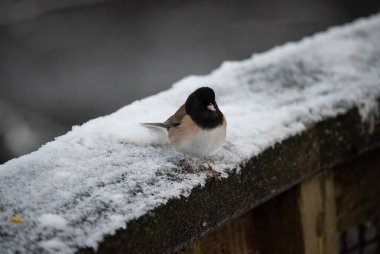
[198, 127]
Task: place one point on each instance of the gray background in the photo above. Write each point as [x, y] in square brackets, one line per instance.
[63, 62]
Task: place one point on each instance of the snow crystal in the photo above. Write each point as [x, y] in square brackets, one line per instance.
[52, 220]
[93, 180]
[54, 246]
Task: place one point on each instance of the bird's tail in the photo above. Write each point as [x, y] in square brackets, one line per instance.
[159, 125]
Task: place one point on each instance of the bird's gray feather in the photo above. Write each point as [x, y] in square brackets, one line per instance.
[167, 124]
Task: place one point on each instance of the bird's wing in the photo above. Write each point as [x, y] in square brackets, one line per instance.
[173, 121]
[176, 119]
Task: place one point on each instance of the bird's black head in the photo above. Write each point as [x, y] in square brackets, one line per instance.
[202, 108]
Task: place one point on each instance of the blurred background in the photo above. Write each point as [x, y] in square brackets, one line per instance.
[63, 62]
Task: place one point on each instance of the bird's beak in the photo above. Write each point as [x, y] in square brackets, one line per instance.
[211, 107]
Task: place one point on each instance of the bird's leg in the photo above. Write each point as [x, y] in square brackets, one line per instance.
[210, 169]
[187, 165]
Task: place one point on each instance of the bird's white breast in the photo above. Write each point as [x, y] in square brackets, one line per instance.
[201, 142]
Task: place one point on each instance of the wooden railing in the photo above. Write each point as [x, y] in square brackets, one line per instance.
[290, 185]
[311, 217]
[294, 198]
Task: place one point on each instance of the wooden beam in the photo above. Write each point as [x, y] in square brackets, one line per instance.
[358, 190]
[302, 220]
[318, 214]
[235, 237]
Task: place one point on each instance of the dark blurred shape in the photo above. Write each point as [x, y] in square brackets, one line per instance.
[14, 11]
[22, 131]
[70, 65]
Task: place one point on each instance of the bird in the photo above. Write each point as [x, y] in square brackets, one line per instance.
[197, 128]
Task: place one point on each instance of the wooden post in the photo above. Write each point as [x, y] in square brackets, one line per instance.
[302, 220]
[318, 214]
[235, 237]
[357, 190]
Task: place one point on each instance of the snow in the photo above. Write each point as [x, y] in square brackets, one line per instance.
[52, 220]
[93, 180]
[53, 246]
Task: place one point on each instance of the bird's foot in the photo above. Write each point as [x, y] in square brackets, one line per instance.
[187, 166]
[212, 171]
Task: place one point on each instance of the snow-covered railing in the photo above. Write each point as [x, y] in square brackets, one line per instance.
[112, 184]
